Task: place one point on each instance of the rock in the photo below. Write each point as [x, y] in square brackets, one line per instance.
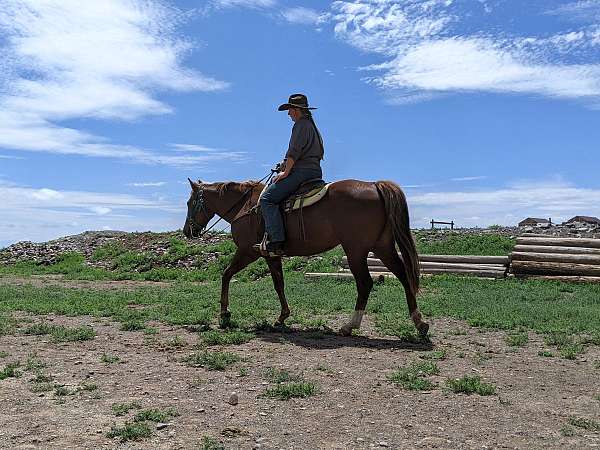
[161, 426]
[384, 444]
[233, 399]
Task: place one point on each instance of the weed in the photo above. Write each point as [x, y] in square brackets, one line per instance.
[130, 431]
[546, 354]
[10, 371]
[150, 330]
[517, 339]
[231, 337]
[597, 364]
[480, 358]
[413, 376]
[285, 391]
[155, 415]
[567, 431]
[61, 391]
[572, 350]
[109, 359]
[7, 325]
[41, 387]
[4, 354]
[212, 360]
[132, 325]
[597, 397]
[34, 363]
[41, 378]
[435, 355]
[586, 424]
[176, 342]
[38, 329]
[243, 372]
[459, 332]
[85, 386]
[470, 385]
[64, 334]
[120, 409]
[209, 443]
[280, 376]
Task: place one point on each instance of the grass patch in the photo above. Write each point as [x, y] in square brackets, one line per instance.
[109, 359]
[155, 415]
[10, 371]
[470, 385]
[34, 363]
[4, 354]
[435, 355]
[212, 360]
[285, 391]
[517, 339]
[275, 375]
[64, 334]
[41, 378]
[131, 431]
[120, 409]
[209, 443]
[89, 387]
[132, 325]
[452, 243]
[567, 431]
[61, 391]
[546, 354]
[586, 424]
[413, 376]
[230, 337]
[37, 388]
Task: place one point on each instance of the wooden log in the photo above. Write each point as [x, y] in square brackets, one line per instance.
[562, 278]
[556, 249]
[377, 276]
[563, 242]
[554, 268]
[474, 272]
[556, 257]
[473, 259]
[377, 265]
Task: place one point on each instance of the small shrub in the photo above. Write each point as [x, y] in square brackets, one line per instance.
[176, 342]
[34, 363]
[567, 431]
[586, 424]
[41, 378]
[155, 415]
[212, 360]
[285, 391]
[41, 387]
[10, 371]
[64, 334]
[120, 409]
[109, 359]
[436, 355]
[232, 337]
[3, 354]
[133, 325]
[88, 386]
[61, 391]
[280, 376]
[38, 329]
[517, 339]
[413, 376]
[470, 385]
[546, 354]
[131, 431]
[209, 443]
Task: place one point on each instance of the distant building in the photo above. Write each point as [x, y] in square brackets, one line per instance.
[535, 222]
[587, 220]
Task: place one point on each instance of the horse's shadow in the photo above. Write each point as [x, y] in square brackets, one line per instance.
[328, 339]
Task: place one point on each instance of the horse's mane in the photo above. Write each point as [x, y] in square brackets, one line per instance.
[223, 187]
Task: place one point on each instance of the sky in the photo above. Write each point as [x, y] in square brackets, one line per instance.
[483, 111]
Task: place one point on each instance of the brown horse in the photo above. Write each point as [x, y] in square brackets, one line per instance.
[361, 216]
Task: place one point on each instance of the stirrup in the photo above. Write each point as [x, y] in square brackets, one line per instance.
[262, 249]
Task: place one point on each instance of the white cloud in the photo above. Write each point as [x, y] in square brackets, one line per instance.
[244, 3]
[584, 10]
[506, 206]
[192, 148]
[148, 184]
[100, 210]
[65, 59]
[480, 177]
[428, 54]
[10, 157]
[302, 15]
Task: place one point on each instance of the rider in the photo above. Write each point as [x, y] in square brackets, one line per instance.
[302, 162]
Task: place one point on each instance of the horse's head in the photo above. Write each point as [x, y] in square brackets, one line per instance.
[198, 212]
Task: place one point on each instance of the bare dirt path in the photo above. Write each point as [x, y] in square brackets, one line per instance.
[356, 408]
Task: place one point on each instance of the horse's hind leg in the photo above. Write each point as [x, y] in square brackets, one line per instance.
[389, 257]
[357, 261]
[278, 282]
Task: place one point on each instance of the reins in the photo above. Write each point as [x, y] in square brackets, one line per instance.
[193, 222]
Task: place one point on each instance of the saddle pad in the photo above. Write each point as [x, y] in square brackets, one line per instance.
[304, 200]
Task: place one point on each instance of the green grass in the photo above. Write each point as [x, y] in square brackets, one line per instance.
[155, 415]
[569, 347]
[10, 371]
[109, 359]
[275, 375]
[451, 243]
[413, 376]
[586, 424]
[435, 355]
[60, 333]
[130, 431]
[209, 443]
[212, 360]
[517, 339]
[132, 325]
[546, 354]
[230, 337]
[4, 354]
[286, 391]
[470, 385]
[121, 409]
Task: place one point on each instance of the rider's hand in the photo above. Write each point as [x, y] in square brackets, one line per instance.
[280, 177]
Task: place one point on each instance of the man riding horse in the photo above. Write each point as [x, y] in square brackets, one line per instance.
[302, 162]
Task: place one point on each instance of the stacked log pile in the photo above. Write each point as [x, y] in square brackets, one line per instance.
[479, 266]
[564, 259]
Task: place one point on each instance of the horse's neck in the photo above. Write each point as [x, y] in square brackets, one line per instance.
[230, 203]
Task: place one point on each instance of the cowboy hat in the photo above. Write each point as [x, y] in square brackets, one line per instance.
[295, 101]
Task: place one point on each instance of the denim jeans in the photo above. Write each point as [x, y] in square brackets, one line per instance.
[278, 192]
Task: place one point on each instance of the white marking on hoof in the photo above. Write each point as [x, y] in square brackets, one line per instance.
[354, 323]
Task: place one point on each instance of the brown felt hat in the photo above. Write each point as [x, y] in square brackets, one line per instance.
[295, 101]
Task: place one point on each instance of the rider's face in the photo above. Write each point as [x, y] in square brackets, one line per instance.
[294, 113]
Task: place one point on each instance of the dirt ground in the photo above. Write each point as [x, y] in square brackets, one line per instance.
[356, 408]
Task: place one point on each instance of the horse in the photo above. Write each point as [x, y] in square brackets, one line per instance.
[360, 216]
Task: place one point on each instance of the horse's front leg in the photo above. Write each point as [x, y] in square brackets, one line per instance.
[240, 260]
[278, 282]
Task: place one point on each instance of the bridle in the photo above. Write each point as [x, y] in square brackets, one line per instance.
[198, 205]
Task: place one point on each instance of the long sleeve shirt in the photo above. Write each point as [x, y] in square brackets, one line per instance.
[305, 147]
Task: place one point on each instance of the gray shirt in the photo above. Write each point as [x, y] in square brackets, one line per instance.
[305, 147]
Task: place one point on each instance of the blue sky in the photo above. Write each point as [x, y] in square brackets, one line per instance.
[484, 111]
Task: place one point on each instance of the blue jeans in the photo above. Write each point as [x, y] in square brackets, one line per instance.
[278, 192]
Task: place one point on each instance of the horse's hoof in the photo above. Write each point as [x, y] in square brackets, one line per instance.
[345, 331]
[225, 320]
[423, 329]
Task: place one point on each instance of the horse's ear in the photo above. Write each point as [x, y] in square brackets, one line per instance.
[193, 185]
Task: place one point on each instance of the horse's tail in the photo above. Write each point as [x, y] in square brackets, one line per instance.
[396, 210]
